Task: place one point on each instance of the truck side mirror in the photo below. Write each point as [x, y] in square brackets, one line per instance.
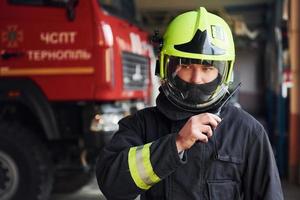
[70, 9]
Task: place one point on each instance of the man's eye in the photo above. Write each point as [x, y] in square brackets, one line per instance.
[185, 66]
[208, 68]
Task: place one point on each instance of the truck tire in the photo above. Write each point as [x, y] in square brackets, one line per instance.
[25, 167]
[72, 182]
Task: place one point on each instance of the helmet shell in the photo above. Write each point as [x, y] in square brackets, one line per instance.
[183, 29]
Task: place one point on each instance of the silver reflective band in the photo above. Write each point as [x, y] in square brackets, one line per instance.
[140, 167]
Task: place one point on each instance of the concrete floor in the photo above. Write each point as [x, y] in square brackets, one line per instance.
[91, 192]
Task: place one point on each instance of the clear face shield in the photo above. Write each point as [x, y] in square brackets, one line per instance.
[195, 83]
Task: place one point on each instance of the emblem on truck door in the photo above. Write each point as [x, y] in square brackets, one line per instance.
[11, 37]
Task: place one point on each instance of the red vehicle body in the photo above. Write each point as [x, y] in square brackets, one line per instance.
[69, 70]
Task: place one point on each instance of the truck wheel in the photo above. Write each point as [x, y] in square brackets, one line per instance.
[25, 167]
[71, 182]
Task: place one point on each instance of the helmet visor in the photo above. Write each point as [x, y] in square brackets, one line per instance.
[195, 81]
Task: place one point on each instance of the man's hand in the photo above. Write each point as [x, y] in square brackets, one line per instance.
[197, 128]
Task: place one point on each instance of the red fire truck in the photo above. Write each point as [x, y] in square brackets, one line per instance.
[69, 70]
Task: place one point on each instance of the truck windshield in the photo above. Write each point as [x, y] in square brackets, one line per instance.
[121, 8]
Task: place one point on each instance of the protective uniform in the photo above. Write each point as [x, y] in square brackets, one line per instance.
[142, 158]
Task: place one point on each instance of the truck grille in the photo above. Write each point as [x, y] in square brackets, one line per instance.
[135, 71]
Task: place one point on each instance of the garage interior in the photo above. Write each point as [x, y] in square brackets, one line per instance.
[266, 34]
[267, 43]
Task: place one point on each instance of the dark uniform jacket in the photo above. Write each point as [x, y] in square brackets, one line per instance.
[236, 163]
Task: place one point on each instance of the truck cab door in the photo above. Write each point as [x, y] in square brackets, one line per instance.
[50, 42]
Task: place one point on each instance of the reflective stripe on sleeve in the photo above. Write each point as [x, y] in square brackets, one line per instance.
[140, 167]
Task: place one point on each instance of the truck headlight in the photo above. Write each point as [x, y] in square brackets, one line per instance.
[107, 122]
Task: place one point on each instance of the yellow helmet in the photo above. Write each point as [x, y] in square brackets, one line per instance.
[196, 37]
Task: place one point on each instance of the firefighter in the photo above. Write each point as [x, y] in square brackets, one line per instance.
[187, 147]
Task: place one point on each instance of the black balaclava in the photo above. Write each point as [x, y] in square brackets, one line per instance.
[196, 93]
